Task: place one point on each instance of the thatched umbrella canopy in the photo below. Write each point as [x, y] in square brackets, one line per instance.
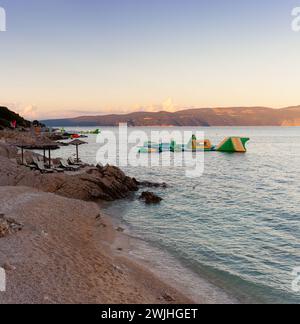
[77, 143]
[38, 145]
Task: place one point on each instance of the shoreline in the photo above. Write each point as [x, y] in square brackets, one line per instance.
[167, 267]
[64, 258]
[117, 245]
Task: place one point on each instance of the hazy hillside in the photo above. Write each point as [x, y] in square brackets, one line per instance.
[241, 116]
[7, 116]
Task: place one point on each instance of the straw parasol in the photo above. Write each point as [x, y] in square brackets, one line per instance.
[77, 143]
[37, 146]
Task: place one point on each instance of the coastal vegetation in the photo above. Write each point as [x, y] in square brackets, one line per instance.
[7, 117]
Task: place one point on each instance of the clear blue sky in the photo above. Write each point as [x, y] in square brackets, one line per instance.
[73, 57]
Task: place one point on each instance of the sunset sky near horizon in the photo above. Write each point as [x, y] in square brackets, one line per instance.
[64, 58]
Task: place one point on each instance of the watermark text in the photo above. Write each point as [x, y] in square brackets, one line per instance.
[2, 280]
[296, 281]
[296, 20]
[138, 148]
[2, 20]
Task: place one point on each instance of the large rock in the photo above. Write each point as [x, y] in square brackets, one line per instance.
[108, 183]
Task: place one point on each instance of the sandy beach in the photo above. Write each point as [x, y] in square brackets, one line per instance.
[64, 254]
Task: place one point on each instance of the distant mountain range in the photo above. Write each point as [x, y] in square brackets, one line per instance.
[237, 116]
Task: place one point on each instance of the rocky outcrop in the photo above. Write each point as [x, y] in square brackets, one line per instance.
[150, 198]
[108, 183]
[104, 183]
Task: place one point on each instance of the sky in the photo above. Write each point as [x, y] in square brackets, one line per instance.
[64, 58]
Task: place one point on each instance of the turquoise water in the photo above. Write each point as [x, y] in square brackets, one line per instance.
[238, 225]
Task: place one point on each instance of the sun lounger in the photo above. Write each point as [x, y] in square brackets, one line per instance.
[40, 165]
[64, 163]
[32, 166]
[58, 169]
[73, 161]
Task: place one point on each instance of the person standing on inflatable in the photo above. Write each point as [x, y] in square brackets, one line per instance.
[194, 143]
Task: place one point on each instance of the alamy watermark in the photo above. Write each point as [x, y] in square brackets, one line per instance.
[2, 20]
[153, 148]
[296, 20]
[296, 281]
[2, 280]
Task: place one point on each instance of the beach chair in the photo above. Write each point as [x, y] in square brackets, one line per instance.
[30, 165]
[57, 168]
[40, 165]
[73, 161]
[64, 163]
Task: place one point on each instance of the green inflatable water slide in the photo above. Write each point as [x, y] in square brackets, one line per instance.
[233, 144]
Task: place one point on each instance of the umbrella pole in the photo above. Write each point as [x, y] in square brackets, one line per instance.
[77, 154]
[22, 150]
[49, 159]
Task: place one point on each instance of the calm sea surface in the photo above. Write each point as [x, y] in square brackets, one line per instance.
[237, 226]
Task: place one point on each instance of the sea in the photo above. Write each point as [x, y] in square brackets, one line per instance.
[229, 235]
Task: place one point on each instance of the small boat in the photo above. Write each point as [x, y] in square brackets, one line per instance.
[229, 144]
